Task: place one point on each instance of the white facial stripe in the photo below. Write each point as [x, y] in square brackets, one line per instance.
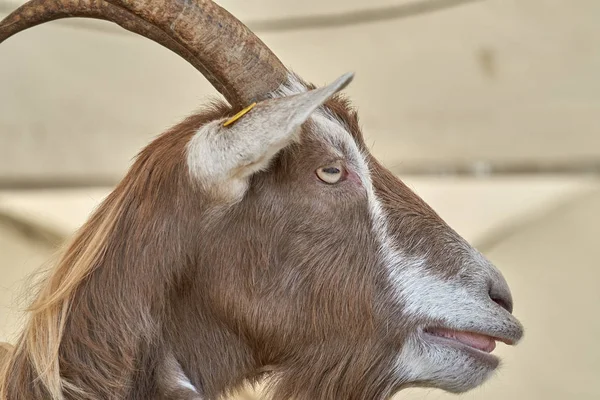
[341, 143]
[422, 295]
[337, 136]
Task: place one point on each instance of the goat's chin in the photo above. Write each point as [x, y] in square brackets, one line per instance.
[455, 369]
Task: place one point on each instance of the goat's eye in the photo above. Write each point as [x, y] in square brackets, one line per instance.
[331, 173]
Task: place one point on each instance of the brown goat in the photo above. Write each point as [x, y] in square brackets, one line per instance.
[274, 248]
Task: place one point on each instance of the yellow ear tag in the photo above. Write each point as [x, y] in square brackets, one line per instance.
[239, 115]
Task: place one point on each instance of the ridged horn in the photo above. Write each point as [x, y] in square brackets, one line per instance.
[236, 62]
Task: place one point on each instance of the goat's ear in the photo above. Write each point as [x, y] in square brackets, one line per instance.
[222, 157]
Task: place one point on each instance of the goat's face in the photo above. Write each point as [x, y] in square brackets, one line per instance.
[317, 255]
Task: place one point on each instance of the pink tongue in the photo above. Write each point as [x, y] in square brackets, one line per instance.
[480, 342]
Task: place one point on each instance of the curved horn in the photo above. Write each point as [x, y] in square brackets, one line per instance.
[236, 62]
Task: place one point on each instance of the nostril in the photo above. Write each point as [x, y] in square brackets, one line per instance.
[502, 303]
[500, 294]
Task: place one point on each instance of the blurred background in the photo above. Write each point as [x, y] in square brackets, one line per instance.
[489, 109]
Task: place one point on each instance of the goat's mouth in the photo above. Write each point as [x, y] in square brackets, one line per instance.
[479, 342]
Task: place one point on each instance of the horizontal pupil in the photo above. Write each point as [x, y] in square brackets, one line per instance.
[331, 170]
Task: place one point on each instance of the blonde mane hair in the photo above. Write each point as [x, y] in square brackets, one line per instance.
[5, 352]
[46, 316]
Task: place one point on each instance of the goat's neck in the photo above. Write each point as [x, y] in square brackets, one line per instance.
[113, 338]
[212, 358]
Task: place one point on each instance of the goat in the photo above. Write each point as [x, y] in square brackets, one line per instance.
[266, 245]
